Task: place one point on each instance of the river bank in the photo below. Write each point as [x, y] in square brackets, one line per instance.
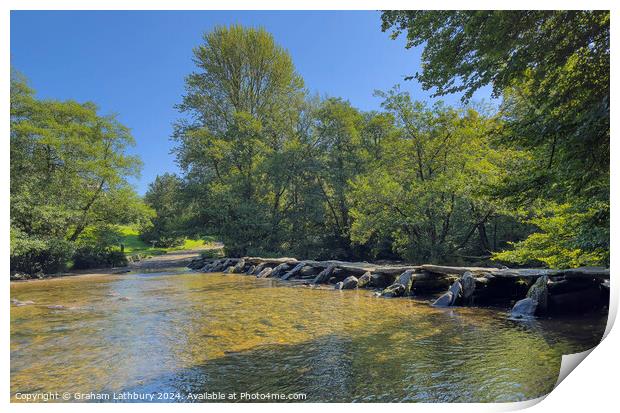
[528, 292]
[173, 259]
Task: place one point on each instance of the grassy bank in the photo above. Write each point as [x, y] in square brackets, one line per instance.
[136, 247]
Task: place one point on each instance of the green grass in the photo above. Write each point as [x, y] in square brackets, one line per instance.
[134, 245]
[191, 244]
[131, 240]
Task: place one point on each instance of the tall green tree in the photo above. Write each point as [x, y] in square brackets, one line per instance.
[165, 196]
[428, 194]
[339, 144]
[69, 170]
[242, 107]
[552, 69]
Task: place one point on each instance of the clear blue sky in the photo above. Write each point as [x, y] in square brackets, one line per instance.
[133, 63]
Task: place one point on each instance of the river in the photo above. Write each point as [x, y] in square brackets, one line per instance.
[188, 336]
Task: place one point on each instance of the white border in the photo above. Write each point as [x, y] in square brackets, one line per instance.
[592, 386]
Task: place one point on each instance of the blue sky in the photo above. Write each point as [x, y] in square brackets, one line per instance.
[133, 63]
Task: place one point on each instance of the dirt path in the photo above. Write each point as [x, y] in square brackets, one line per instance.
[171, 259]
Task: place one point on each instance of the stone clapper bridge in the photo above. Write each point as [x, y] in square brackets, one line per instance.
[530, 292]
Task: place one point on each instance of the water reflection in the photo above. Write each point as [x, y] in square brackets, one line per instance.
[194, 333]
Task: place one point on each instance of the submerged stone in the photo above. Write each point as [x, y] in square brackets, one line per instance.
[364, 280]
[19, 303]
[206, 268]
[324, 275]
[451, 297]
[535, 301]
[524, 308]
[456, 289]
[238, 268]
[406, 280]
[400, 287]
[468, 283]
[539, 293]
[445, 300]
[292, 273]
[197, 263]
[307, 271]
[258, 269]
[394, 290]
[280, 269]
[349, 283]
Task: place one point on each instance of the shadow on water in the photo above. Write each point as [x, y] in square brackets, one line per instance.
[196, 334]
[394, 365]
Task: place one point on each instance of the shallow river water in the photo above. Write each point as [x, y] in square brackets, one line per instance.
[183, 336]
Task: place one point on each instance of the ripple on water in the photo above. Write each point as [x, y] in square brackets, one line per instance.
[206, 332]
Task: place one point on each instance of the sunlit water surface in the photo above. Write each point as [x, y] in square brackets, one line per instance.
[190, 333]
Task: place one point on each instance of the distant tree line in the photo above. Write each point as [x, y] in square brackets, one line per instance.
[272, 170]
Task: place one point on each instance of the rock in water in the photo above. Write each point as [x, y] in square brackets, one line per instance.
[451, 297]
[406, 280]
[238, 268]
[349, 283]
[539, 293]
[196, 263]
[216, 266]
[523, 308]
[445, 300]
[324, 275]
[402, 285]
[394, 290]
[535, 302]
[225, 265]
[19, 303]
[456, 289]
[294, 271]
[307, 271]
[207, 267]
[265, 273]
[258, 269]
[364, 280]
[468, 282]
[338, 285]
[280, 269]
